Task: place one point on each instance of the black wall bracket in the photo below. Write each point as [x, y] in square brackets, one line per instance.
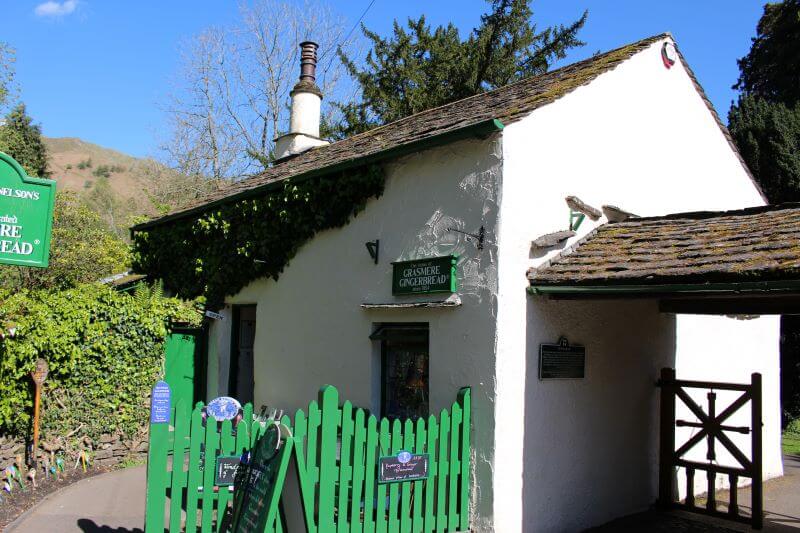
[373, 247]
[479, 237]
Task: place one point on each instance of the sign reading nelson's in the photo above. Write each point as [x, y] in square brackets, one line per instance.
[26, 215]
[424, 276]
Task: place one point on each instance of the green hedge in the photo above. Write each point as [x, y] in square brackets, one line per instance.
[104, 349]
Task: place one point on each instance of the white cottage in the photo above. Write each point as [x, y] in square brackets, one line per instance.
[484, 180]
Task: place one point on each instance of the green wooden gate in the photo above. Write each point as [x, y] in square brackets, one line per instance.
[336, 448]
[180, 478]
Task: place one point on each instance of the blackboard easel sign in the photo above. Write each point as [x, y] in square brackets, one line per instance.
[256, 497]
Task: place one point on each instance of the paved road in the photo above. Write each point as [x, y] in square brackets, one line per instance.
[107, 503]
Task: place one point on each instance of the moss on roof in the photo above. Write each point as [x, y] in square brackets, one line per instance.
[508, 104]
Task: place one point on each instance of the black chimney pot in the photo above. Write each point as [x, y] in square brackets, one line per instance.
[308, 61]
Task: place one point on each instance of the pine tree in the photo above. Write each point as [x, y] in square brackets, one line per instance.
[418, 68]
[22, 139]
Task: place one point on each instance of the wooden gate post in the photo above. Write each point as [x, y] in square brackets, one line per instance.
[756, 449]
[667, 437]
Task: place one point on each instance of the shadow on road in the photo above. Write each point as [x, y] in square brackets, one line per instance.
[89, 526]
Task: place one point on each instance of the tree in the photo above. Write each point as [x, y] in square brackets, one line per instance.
[6, 73]
[419, 68]
[22, 139]
[764, 121]
[765, 125]
[230, 100]
[768, 137]
[771, 69]
[81, 250]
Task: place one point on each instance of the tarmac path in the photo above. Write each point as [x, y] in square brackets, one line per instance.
[108, 503]
[114, 503]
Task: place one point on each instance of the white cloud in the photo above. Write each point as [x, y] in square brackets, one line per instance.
[56, 9]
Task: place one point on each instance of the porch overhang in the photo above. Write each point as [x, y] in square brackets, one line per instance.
[752, 298]
[732, 262]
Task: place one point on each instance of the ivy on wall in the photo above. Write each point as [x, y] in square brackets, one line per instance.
[218, 252]
[104, 349]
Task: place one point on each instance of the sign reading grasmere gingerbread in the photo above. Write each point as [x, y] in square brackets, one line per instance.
[26, 215]
[424, 276]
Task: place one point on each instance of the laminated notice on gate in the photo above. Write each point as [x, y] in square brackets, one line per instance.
[160, 403]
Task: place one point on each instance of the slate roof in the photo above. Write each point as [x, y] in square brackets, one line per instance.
[507, 104]
[755, 244]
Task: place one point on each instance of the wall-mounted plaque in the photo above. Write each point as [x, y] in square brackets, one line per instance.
[424, 276]
[562, 360]
[405, 466]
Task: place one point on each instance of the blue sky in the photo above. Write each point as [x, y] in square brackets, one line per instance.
[96, 69]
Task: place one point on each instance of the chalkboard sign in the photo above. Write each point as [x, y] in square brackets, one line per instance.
[424, 276]
[256, 496]
[225, 473]
[404, 466]
[160, 403]
[562, 360]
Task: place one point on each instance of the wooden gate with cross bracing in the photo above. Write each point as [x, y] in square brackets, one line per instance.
[711, 428]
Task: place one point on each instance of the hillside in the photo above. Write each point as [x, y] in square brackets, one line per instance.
[77, 165]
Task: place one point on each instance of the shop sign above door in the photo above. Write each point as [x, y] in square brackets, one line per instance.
[425, 276]
[26, 216]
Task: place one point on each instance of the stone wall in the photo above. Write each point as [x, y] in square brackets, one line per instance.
[110, 450]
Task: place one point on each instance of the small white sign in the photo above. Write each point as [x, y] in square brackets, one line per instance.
[215, 316]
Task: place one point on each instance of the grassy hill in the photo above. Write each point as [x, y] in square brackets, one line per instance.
[78, 165]
[117, 186]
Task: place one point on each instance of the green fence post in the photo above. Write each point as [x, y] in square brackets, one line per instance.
[157, 477]
[329, 402]
[181, 419]
[465, 399]
[195, 476]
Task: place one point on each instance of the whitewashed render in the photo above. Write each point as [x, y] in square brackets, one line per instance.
[546, 454]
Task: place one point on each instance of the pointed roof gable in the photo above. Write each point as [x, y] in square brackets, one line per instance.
[480, 114]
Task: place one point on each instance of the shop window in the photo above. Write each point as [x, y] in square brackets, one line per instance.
[404, 369]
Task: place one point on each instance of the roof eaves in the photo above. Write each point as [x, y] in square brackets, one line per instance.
[616, 289]
[486, 127]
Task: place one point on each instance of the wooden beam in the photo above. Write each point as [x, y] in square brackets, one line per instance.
[741, 304]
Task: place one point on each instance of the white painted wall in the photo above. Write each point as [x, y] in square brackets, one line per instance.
[641, 138]
[312, 331]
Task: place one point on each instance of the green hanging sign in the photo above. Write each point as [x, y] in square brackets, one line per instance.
[26, 215]
[425, 276]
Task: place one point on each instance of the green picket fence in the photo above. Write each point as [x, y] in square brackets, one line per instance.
[337, 450]
[181, 495]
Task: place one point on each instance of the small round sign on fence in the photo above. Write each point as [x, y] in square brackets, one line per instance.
[223, 408]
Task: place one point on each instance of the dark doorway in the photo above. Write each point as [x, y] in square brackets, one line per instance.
[241, 381]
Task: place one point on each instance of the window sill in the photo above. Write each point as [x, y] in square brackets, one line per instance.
[453, 301]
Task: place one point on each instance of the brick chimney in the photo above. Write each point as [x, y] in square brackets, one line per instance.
[305, 115]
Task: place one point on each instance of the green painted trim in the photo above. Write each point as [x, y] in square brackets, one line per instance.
[481, 128]
[667, 288]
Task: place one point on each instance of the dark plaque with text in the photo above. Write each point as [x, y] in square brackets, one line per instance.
[227, 466]
[404, 466]
[562, 360]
